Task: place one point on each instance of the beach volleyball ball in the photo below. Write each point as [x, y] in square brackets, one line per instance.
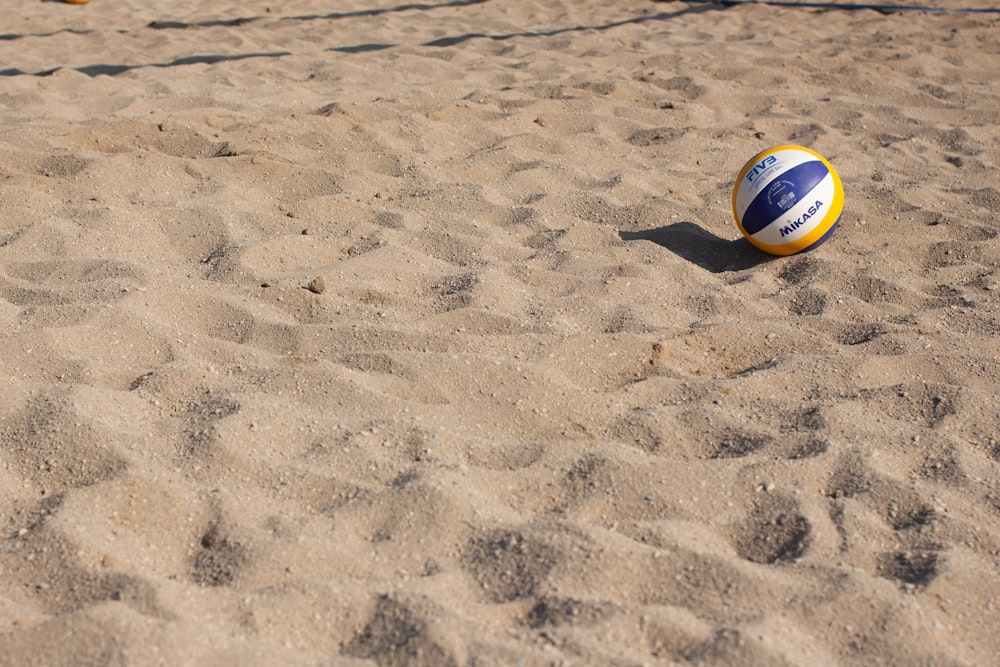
[787, 199]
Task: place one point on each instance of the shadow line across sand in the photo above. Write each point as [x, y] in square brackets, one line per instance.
[662, 16]
[114, 70]
[10, 37]
[852, 6]
[698, 246]
[333, 16]
[444, 41]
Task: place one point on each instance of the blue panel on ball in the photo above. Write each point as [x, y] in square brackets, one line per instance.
[783, 192]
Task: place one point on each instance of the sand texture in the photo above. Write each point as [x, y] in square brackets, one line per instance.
[392, 334]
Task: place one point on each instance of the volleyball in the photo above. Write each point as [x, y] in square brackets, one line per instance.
[787, 199]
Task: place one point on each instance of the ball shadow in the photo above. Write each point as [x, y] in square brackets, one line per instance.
[698, 246]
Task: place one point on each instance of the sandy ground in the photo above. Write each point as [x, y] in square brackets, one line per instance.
[374, 333]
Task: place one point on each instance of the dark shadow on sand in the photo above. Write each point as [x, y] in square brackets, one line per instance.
[332, 16]
[662, 16]
[853, 6]
[111, 69]
[418, 6]
[65, 31]
[114, 70]
[712, 253]
[180, 25]
[362, 48]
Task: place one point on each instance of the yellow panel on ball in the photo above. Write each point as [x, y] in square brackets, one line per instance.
[787, 199]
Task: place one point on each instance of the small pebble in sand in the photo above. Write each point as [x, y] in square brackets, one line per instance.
[317, 285]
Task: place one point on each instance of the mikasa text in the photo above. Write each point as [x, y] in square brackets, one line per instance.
[759, 169]
[801, 220]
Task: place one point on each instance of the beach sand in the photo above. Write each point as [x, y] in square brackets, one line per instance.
[376, 333]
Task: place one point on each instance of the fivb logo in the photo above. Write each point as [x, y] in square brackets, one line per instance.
[759, 169]
[798, 222]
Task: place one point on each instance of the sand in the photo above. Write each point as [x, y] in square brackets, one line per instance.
[375, 333]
